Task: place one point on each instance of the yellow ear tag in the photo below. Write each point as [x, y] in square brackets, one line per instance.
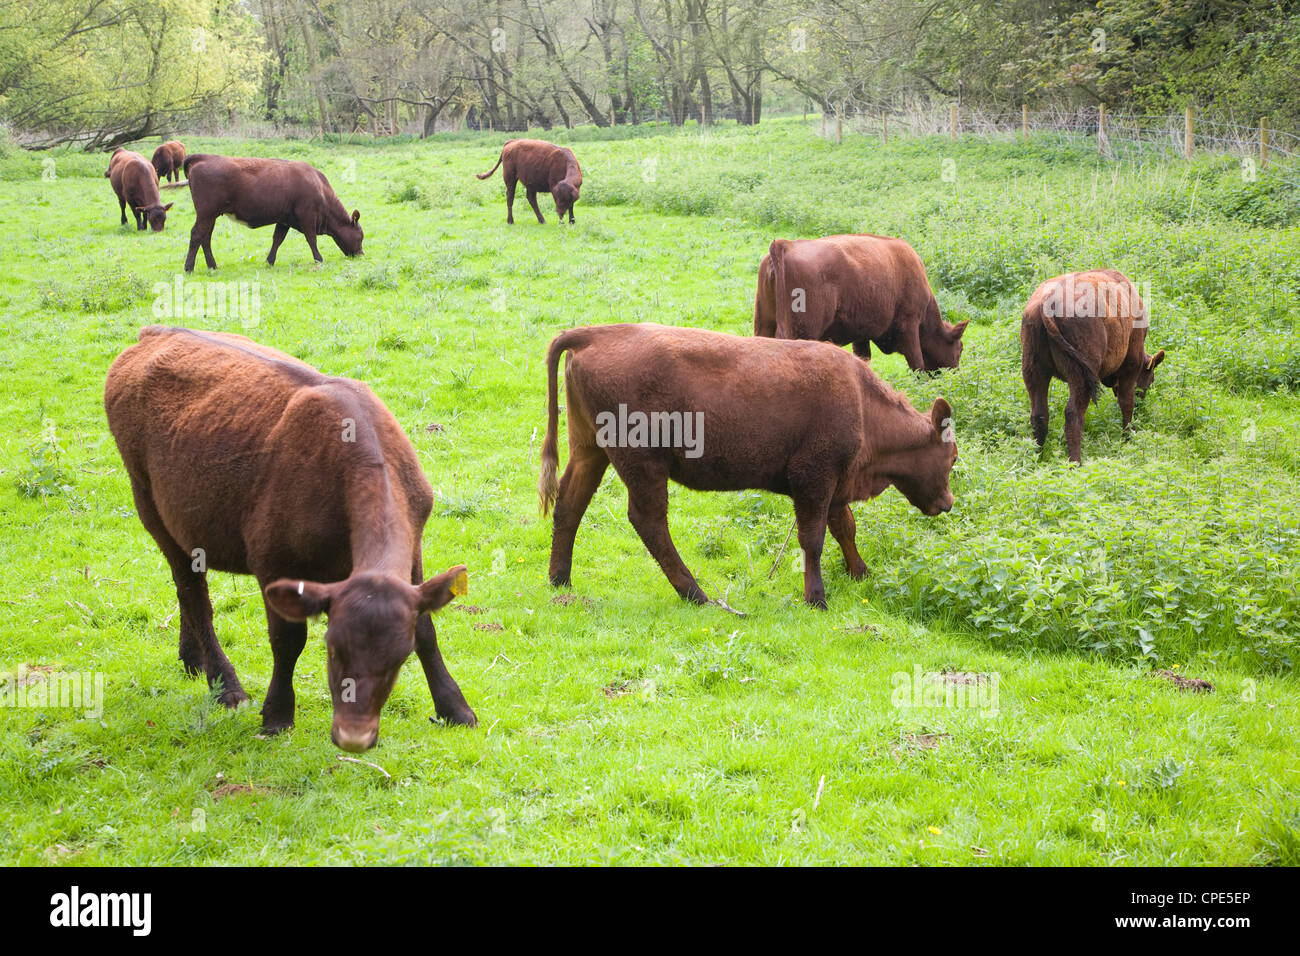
[461, 584]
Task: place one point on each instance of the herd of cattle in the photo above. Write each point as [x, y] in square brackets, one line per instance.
[259, 464]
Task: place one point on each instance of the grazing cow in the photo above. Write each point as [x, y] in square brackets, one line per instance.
[262, 192]
[718, 412]
[243, 459]
[168, 159]
[135, 183]
[543, 168]
[1087, 329]
[855, 290]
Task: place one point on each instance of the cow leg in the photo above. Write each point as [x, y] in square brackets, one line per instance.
[195, 606]
[281, 230]
[310, 235]
[448, 701]
[863, 350]
[122, 203]
[1037, 383]
[1075, 409]
[647, 509]
[845, 530]
[201, 235]
[287, 641]
[577, 485]
[810, 517]
[141, 223]
[510, 199]
[1124, 394]
[532, 201]
[910, 346]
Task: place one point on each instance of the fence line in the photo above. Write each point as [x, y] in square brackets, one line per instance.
[1116, 134]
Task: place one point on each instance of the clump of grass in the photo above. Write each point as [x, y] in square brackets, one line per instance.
[44, 475]
[102, 291]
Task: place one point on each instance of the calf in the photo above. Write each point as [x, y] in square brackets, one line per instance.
[804, 419]
[1087, 329]
[168, 159]
[543, 168]
[855, 290]
[243, 459]
[262, 192]
[134, 181]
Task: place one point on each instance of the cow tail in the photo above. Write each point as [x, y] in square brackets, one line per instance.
[548, 485]
[1090, 380]
[780, 294]
[494, 168]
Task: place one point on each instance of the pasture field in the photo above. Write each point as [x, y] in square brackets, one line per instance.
[619, 724]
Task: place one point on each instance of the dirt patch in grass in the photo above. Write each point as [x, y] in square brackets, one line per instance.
[470, 609]
[1194, 684]
[237, 789]
[564, 600]
[489, 626]
[910, 743]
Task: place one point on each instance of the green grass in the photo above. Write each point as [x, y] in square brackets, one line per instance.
[622, 725]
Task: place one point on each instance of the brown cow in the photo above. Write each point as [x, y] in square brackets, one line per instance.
[243, 459]
[855, 290]
[1087, 329]
[262, 192]
[168, 159]
[543, 168]
[718, 412]
[133, 179]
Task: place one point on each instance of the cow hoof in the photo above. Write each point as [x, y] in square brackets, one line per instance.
[858, 573]
[695, 596]
[233, 698]
[457, 718]
[275, 725]
[192, 669]
[561, 580]
[817, 602]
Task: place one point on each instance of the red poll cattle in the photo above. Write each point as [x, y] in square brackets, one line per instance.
[720, 412]
[1087, 329]
[243, 459]
[168, 159]
[859, 290]
[264, 192]
[136, 184]
[543, 168]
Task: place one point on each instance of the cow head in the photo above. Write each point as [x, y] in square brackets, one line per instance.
[565, 196]
[371, 633]
[155, 215]
[348, 236]
[941, 345]
[921, 473]
[1148, 373]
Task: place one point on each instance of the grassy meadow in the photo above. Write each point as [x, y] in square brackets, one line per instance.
[617, 723]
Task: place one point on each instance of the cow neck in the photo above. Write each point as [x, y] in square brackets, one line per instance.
[378, 528]
[910, 434]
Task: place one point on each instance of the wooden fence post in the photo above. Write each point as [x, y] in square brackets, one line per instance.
[1188, 139]
[1263, 142]
[1101, 128]
[884, 128]
[952, 122]
[1024, 121]
[839, 124]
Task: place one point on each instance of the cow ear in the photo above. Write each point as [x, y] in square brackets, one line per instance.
[168, 206]
[940, 414]
[959, 328]
[298, 600]
[439, 590]
[356, 214]
[1155, 360]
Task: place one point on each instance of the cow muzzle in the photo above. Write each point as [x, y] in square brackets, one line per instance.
[355, 737]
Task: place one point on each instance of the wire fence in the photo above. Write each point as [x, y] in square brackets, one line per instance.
[1118, 136]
